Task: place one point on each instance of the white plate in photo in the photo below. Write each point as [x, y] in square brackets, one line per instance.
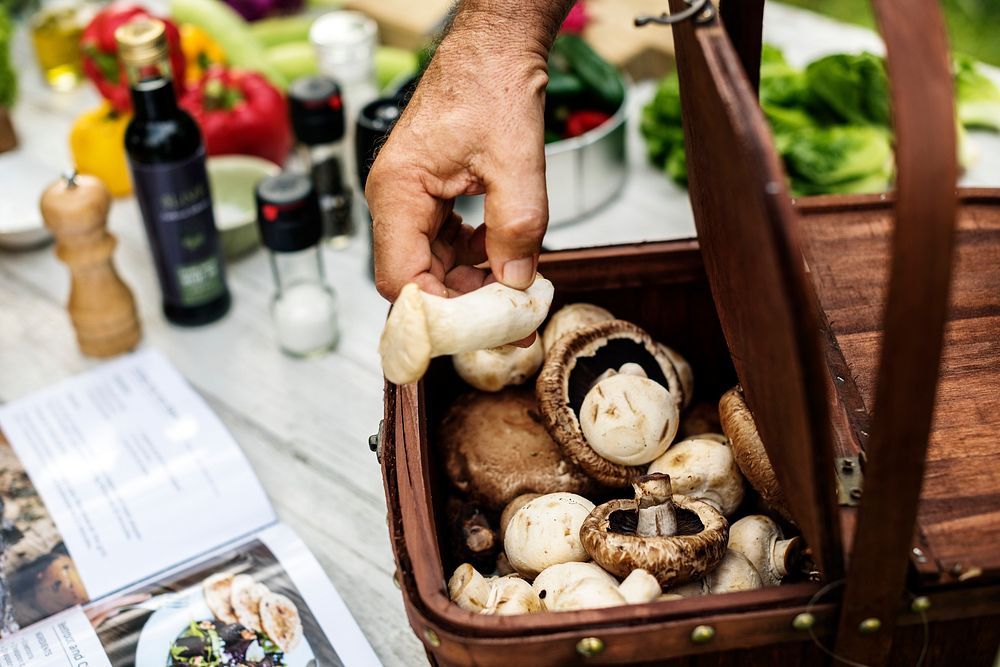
[174, 613]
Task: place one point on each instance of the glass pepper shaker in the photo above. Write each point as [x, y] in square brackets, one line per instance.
[375, 122]
[317, 113]
[304, 306]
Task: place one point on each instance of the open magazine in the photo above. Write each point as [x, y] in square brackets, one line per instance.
[134, 532]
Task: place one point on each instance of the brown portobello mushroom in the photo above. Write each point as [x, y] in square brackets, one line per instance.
[575, 364]
[496, 448]
[748, 450]
[674, 538]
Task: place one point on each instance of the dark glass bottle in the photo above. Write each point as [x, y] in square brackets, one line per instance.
[167, 160]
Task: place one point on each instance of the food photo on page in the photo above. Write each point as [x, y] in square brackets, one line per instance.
[37, 576]
[239, 608]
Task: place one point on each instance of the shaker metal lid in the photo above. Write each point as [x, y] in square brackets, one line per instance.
[316, 108]
[288, 213]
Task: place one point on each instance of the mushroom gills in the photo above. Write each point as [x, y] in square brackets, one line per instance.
[615, 354]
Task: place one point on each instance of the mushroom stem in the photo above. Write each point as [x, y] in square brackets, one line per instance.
[469, 589]
[784, 554]
[422, 326]
[657, 513]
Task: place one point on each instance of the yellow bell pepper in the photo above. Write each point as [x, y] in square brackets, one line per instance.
[97, 142]
[200, 52]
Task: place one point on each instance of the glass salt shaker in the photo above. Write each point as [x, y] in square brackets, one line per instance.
[345, 43]
[317, 114]
[304, 306]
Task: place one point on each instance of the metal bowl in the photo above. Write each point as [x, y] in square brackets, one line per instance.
[582, 174]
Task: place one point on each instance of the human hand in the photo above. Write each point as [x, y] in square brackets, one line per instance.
[474, 126]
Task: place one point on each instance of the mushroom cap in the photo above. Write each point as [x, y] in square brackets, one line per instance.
[734, 573]
[589, 593]
[702, 417]
[512, 595]
[628, 419]
[672, 560]
[555, 579]
[496, 448]
[703, 469]
[494, 369]
[569, 372]
[405, 346]
[546, 531]
[760, 539]
[512, 507]
[570, 318]
[469, 589]
[684, 373]
[639, 587]
[748, 450]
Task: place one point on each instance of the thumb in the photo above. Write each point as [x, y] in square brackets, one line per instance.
[516, 215]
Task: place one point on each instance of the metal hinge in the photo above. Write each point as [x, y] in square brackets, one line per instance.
[699, 11]
[850, 481]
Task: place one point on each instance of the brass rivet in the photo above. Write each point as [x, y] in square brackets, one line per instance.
[804, 621]
[869, 626]
[432, 637]
[589, 647]
[702, 634]
[395, 579]
[920, 604]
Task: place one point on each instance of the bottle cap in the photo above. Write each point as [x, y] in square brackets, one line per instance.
[374, 123]
[288, 212]
[142, 41]
[317, 110]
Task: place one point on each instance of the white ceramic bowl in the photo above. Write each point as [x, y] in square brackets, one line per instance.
[233, 179]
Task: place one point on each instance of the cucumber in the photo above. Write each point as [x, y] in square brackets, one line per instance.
[231, 32]
[393, 64]
[281, 30]
[562, 85]
[293, 60]
[594, 71]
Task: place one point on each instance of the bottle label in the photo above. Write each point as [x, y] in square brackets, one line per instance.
[176, 206]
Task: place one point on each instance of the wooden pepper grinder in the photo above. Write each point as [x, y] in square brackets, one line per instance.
[101, 306]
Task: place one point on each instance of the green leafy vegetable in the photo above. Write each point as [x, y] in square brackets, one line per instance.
[836, 158]
[831, 122]
[853, 87]
[977, 97]
[8, 76]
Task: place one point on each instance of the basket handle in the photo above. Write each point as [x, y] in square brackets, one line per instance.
[921, 89]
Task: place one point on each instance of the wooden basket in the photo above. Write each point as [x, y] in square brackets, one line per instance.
[833, 318]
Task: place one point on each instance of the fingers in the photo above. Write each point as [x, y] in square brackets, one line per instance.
[516, 215]
[405, 220]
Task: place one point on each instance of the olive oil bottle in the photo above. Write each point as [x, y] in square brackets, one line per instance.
[167, 160]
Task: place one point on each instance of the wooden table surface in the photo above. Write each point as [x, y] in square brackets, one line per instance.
[304, 424]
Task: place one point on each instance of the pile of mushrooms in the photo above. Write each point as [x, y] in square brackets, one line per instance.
[541, 521]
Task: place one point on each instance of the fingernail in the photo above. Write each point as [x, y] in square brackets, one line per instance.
[518, 272]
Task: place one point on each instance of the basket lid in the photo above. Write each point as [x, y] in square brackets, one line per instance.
[753, 257]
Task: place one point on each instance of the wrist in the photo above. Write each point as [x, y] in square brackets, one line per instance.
[521, 30]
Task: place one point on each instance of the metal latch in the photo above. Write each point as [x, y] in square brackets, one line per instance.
[850, 481]
[375, 440]
[699, 11]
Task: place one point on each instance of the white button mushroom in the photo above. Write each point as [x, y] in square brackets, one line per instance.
[422, 326]
[684, 373]
[760, 539]
[512, 595]
[734, 573]
[639, 587]
[554, 580]
[570, 318]
[703, 469]
[589, 593]
[629, 419]
[546, 531]
[512, 507]
[494, 369]
[469, 589]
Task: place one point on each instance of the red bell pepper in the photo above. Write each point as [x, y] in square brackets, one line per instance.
[582, 121]
[99, 51]
[240, 112]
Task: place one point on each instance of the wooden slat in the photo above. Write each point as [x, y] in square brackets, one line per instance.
[753, 258]
[744, 21]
